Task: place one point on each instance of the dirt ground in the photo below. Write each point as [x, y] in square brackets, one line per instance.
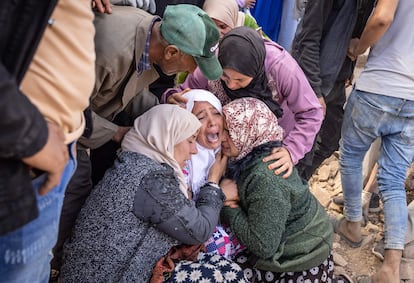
[325, 184]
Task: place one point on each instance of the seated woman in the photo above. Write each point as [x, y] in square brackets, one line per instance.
[140, 209]
[207, 108]
[286, 231]
[254, 67]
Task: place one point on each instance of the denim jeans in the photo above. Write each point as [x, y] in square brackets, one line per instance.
[25, 253]
[368, 116]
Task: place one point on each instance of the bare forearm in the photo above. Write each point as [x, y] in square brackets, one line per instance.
[377, 24]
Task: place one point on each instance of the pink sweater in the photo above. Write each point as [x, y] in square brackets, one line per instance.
[302, 112]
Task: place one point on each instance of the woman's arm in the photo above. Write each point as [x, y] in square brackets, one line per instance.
[260, 221]
[159, 201]
[194, 80]
[303, 112]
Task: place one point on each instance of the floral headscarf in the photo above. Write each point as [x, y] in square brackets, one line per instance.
[251, 123]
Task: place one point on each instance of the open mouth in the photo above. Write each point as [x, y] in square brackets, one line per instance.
[213, 138]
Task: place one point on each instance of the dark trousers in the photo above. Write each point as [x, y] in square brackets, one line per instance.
[327, 140]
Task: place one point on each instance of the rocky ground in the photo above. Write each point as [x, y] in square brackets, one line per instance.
[326, 184]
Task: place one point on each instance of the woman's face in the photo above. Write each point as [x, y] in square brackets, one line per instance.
[184, 150]
[235, 80]
[227, 146]
[211, 130]
[222, 27]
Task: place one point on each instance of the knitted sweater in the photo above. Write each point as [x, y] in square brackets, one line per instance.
[132, 218]
[279, 220]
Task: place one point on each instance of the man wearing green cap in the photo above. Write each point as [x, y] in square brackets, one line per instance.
[128, 44]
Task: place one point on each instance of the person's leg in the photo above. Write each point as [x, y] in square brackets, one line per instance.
[76, 193]
[329, 135]
[407, 260]
[395, 157]
[327, 140]
[353, 146]
[26, 252]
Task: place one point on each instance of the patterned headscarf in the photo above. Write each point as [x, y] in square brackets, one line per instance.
[157, 131]
[250, 123]
[243, 50]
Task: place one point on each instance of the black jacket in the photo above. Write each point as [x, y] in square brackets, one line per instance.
[23, 128]
[322, 38]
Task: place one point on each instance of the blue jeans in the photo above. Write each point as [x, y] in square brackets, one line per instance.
[25, 253]
[368, 116]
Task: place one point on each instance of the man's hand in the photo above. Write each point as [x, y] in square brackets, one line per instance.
[283, 161]
[177, 98]
[323, 104]
[102, 6]
[52, 158]
[352, 49]
[120, 133]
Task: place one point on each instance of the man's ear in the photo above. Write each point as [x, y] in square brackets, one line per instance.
[171, 51]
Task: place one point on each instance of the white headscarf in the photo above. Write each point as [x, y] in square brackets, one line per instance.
[201, 162]
[157, 131]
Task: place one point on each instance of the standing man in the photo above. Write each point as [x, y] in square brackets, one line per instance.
[320, 47]
[129, 43]
[41, 111]
[381, 105]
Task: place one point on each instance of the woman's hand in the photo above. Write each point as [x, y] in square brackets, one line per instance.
[218, 168]
[229, 188]
[177, 98]
[283, 161]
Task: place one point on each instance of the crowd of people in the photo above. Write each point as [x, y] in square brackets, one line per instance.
[172, 141]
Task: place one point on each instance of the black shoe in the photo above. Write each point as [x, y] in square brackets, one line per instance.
[374, 203]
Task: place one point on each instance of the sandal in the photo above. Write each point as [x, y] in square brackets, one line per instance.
[336, 222]
[343, 278]
[364, 279]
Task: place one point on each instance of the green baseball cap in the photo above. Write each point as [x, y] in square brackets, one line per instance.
[194, 33]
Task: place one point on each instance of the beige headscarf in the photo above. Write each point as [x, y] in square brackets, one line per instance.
[157, 131]
[226, 11]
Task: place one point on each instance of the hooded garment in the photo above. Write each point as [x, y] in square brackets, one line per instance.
[157, 131]
[251, 123]
[243, 50]
[225, 11]
[201, 162]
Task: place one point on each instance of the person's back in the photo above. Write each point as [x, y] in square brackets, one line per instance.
[295, 232]
[109, 242]
[389, 69]
[285, 230]
[141, 208]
